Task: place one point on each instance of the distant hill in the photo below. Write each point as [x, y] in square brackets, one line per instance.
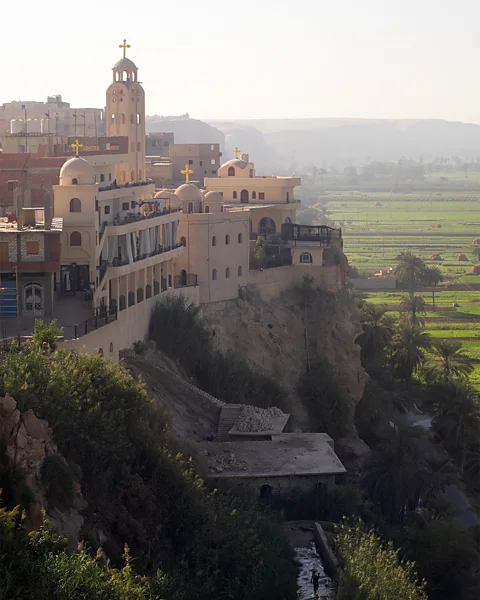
[186, 130]
[313, 141]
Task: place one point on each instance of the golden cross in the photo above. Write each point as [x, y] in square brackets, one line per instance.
[236, 152]
[76, 146]
[124, 46]
[187, 172]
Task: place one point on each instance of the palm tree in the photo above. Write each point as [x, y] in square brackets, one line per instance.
[446, 360]
[410, 269]
[408, 349]
[394, 476]
[456, 418]
[412, 310]
[378, 328]
[432, 277]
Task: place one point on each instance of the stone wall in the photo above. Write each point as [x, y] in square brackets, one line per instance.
[132, 325]
[271, 283]
[282, 484]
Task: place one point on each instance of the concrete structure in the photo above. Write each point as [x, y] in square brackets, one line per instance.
[158, 143]
[202, 159]
[286, 462]
[29, 258]
[57, 118]
[160, 171]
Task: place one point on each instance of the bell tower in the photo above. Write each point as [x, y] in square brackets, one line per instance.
[125, 116]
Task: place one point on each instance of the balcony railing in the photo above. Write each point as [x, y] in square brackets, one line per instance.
[186, 280]
[322, 234]
[118, 186]
[121, 262]
[135, 218]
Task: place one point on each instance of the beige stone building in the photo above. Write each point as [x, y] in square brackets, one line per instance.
[202, 159]
[125, 116]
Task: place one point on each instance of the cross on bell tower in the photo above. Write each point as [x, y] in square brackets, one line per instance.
[124, 46]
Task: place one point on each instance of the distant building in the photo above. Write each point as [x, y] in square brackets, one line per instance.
[202, 159]
[158, 143]
[51, 118]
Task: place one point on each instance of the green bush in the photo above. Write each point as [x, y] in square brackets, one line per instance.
[209, 545]
[329, 408]
[58, 480]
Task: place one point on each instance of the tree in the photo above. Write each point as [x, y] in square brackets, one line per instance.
[476, 252]
[410, 270]
[456, 418]
[447, 359]
[378, 330]
[408, 349]
[412, 310]
[445, 556]
[372, 568]
[395, 476]
[45, 336]
[432, 277]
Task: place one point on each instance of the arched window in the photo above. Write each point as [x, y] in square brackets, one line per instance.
[74, 181]
[122, 303]
[200, 207]
[306, 258]
[132, 119]
[214, 240]
[231, 172]
[183, 241]
[75, 205]
[250, 174]
[111, 346]
[234, 195]
[102, 177]
[227, 273]
[207, 209]
[112, 121]
[75, 238]
[214, 274]
[139, 119]
[267, 225]
[288, 220]
[240, 238]
[139, 174]
[227, 240]
[132, 175]
[239, 271]
[244, 196]
[131, 298]
[139, 294]
[123, 119]
[190, 208]
[254, 195]
[33, 298]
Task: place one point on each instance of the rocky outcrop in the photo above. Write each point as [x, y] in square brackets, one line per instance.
[27, 442]
[272, 336]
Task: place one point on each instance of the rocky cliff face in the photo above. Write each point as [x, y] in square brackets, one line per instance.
[27, 441]
[272, 336]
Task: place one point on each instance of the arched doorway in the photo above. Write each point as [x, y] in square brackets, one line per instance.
[266, 492]
[266, 226]
[288, 220]
[244, 196]
[33, 299]
[183, 277]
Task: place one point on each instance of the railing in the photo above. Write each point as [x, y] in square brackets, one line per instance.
[121, 262]
[310, 233]
[116, 186]
[100, 317]
[189, 280]
[136, 217]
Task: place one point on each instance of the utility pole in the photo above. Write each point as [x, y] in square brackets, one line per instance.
[19, 302]
[75, 122]
[26, 137]
[56, 127]
[84, 117]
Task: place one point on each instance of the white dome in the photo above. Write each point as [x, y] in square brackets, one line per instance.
[189, 193]
[214, 197]
[77, 171]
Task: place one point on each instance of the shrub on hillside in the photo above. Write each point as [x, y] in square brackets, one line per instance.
[143, 495]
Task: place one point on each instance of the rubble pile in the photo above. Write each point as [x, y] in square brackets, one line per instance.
[224, 460]
[253, 419]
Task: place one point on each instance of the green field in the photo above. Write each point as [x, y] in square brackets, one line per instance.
[374, 235]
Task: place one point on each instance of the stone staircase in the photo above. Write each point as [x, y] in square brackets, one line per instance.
[229, 415]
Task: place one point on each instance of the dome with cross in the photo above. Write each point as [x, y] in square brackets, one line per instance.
[188, 192]
[77, 171]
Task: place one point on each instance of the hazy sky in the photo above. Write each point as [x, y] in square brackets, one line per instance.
[252, 59]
